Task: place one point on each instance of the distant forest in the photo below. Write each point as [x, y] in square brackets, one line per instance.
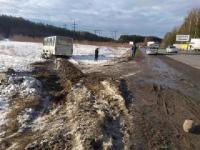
[12, 26]
[190, 26]
[138, 38]
[19, 27]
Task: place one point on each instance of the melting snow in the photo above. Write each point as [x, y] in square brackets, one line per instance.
[85, 54]
[27, 87]
[18, 55]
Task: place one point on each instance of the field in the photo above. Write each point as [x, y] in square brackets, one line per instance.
[116, 102]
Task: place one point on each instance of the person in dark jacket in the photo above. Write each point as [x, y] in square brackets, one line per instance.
[134, 49]
[96, 54]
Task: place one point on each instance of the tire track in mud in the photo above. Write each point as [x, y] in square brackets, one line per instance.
[162, 111]
[104, 111]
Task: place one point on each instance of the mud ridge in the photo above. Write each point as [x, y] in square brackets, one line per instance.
[85, 111]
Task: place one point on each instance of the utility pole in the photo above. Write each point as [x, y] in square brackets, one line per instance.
[65, 26]
[74, 27]
[114, 34]
[97, 32]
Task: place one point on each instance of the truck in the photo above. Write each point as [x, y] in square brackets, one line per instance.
[150, 43]
[57, 46]
[152, 49]
[194, 44]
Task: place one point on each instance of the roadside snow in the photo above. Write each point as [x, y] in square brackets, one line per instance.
[85, 54]
[19, 55]
[24, 86]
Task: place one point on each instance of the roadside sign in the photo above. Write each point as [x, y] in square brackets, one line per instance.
[131, 43]
[182, 38]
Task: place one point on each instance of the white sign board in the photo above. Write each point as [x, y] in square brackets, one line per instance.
[182, 38]
[131, 43]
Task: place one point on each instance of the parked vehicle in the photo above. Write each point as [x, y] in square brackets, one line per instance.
[57, 46]
[150, 43]
[171, 49]
[152, 50]
[194, 44]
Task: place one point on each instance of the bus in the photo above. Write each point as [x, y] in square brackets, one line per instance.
[58, 46]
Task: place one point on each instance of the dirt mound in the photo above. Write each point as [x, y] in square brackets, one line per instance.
[68, 71]
[84, 112]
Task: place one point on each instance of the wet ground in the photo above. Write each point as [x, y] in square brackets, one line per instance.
[165, 93]
[134, 104]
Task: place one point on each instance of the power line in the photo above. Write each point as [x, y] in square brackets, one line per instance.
[65, 26]
[114, 34]
[74, 25]
[97, 32]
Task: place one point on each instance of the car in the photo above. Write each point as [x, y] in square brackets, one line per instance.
[171, 49]
[151, 50]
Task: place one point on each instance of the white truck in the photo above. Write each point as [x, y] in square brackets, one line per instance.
[152, 49]
[194, 44]
[58, 46]
[150, 43]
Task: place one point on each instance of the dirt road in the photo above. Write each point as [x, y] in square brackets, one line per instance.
[163, 93]
[166, 92]
[130, 104]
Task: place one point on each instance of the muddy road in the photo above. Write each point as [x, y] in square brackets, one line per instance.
[130, 104]
[160, 93]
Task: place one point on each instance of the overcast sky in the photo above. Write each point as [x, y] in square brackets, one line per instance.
[145, 17]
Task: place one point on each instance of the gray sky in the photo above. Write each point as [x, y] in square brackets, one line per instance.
[145, 17]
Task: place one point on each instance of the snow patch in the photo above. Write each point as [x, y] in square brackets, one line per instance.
[85, 54]
[25, 87]
[19, 55]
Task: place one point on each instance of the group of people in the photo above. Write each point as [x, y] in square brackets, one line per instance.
[133, 49]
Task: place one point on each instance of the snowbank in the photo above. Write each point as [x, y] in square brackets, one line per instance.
[19, 55]
[23, 86]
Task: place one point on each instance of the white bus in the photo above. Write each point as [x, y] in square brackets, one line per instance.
[57, 46]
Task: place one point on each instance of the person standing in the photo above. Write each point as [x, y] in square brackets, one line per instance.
[134, 49]
[96, 54]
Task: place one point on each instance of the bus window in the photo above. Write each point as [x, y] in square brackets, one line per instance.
[53, 42]
[49, 42]
[64, 42]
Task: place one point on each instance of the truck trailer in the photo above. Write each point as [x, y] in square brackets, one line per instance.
[194, 44]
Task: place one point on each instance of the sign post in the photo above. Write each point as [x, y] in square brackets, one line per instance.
[182, 38]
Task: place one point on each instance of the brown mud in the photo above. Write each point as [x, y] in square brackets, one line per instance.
[132, 104]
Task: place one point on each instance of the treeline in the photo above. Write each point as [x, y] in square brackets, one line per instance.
[12, 26]
[139, 38]
[190, 26]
